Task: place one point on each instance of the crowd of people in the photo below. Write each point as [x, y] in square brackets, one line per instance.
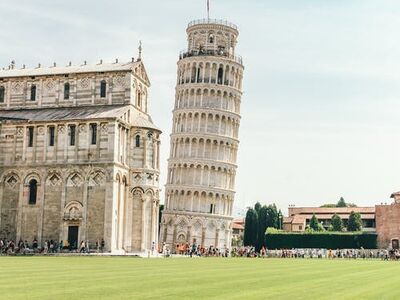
[194, 250]
[10, 247]
[317, 253]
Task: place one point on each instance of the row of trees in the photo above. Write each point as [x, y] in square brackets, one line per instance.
[258, 219]
[340, 203]
[354, 223]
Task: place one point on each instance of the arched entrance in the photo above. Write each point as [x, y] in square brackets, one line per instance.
[72, 224]
[395, 244]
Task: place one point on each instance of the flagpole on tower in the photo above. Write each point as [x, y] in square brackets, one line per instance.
[208, 9]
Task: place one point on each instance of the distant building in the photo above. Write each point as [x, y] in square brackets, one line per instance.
[238, 229]
[299, 217]
[384, 219]
[388, 223]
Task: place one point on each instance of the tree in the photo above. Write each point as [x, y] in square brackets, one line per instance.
[336, 223]
[354, 223]
[341, 203]
[250, 228]
[328, 205]
[315, 225]
[273, 216]
[257, 207]
[262, 225]
[280, 220]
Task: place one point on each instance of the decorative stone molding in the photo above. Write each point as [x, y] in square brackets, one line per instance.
[73, 211]
[84, 83]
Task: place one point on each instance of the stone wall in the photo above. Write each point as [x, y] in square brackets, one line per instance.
[387, 219]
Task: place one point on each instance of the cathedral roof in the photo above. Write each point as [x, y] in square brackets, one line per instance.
[141, 122]
[43, 71]
[77, 113]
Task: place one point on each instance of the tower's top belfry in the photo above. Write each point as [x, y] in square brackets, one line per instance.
[211, 37]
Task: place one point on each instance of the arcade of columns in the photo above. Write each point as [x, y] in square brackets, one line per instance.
[204, 139]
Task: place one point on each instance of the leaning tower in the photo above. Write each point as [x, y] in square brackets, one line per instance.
[204, 141]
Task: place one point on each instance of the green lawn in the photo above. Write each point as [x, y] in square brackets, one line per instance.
[180, 278]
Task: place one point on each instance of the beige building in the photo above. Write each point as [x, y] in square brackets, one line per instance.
[79, 156]
[204, 141]
[238, 231]
[299, 217]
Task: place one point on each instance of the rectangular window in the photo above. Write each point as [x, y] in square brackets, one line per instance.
[72, 129]
[103, 89]
[30, 136]
[51, 135]
[2, 93]
[211, 208]
[33, 92]
[66, 91]
[32, 192]
[93, 129]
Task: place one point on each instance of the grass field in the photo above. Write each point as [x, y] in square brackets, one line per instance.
[180, 278]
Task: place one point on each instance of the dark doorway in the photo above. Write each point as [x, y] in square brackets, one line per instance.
[73, 237]
[395, 244]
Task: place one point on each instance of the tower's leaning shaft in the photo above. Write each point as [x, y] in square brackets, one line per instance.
[204, 141]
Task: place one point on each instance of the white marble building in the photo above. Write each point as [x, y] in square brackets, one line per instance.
[204, 139]
[79, 156]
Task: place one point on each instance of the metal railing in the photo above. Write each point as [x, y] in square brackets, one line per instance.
[212, 21]
[185, 53]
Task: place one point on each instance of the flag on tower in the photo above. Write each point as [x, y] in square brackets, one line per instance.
[208, 9]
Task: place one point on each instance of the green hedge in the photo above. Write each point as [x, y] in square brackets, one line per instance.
[328, 240]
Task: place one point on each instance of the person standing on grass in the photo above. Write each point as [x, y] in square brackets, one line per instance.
[82, 247]
[34, 244]
[102, 245]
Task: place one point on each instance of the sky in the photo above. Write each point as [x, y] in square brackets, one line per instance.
[320, 106]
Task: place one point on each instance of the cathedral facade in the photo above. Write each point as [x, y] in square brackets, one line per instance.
[79, 156]
[204, 141]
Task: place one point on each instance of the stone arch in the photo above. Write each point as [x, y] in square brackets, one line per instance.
[73, 210]
[32, 175]
[181, 237]
[137, 190]
[124, 180]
